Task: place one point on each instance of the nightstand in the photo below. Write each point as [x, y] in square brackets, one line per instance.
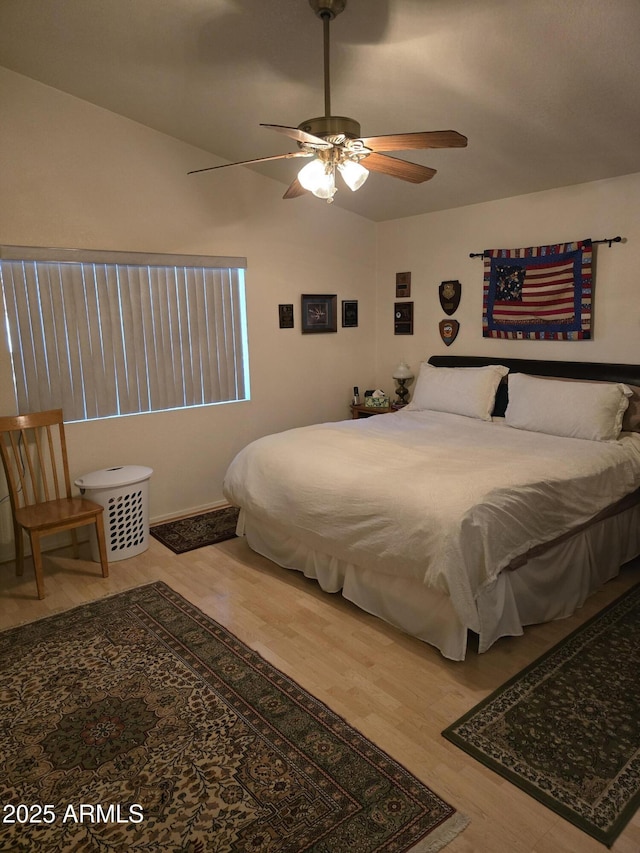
[363, 411]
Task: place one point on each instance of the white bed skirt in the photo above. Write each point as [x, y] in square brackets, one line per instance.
[550, 586]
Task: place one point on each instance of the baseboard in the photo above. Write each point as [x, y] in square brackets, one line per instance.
[198, 510]
[61, 540]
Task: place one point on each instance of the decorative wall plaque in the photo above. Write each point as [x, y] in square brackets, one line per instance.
[449, 330]
[450, 292]
[285, 312]
[403, 285]
[349, 312]
[403, 318]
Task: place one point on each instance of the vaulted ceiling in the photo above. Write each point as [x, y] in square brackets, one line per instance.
[547, 91]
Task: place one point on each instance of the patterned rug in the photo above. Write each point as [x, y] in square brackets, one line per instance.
[187, 534]
[136, 723]
[567, 728]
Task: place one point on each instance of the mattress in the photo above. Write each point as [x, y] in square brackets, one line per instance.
[434, 498]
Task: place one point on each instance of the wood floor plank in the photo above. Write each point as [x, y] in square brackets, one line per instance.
[397, 691]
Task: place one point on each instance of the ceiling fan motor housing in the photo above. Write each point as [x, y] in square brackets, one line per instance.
[332, 128]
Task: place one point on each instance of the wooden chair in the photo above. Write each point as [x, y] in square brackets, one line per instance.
[34, 455]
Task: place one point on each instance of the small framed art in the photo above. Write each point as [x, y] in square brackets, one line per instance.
[349, 313]
[403, 318]
[319, 313]
[285, 313]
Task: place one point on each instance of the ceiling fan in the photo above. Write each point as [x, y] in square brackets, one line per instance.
[335, 143]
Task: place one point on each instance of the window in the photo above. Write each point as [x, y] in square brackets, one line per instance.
[102, 334]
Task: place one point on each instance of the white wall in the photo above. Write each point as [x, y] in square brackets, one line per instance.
[435, 247]
[75, 175]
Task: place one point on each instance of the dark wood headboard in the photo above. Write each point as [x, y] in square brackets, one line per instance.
[601, 371]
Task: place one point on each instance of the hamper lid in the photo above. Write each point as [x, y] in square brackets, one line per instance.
[122, 475]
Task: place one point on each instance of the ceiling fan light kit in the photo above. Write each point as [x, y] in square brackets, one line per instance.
[335, 143]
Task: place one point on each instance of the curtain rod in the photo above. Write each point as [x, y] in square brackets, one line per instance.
[608, 240]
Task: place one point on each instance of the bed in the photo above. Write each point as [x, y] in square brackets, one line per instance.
[502, 496]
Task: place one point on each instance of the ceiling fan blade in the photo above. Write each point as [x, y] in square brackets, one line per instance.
[415, 141]
[258, 160]
[299, 135]
[398, 168]
[294, 189]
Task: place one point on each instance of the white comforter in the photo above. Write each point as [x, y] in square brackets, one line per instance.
[443, 499]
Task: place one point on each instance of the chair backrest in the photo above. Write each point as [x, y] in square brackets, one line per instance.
[34, 456]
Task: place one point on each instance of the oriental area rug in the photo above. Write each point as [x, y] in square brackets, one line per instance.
[567, 728]
[137, 723]
[196, 531]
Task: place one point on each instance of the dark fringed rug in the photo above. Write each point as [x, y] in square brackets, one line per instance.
[567, 728]
[137, 723]
[187, 534]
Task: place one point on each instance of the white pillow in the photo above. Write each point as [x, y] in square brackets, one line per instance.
[590, 410]
[469, 391]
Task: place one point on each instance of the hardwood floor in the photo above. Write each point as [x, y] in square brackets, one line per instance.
[397, 691]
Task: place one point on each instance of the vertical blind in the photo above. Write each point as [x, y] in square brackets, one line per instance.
[104, 337]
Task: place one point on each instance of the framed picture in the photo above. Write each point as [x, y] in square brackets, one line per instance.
[349, 313]
[285, 313]
[403, 318]
[403, 285]
[319, 313]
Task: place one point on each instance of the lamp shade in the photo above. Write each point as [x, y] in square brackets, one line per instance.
[402, 371]
[354, 174]
[319, 180]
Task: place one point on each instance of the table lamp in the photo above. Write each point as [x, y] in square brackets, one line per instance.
[402, 374]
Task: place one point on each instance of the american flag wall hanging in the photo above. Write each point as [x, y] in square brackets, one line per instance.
[538, 293]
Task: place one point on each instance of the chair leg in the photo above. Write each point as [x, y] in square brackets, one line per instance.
[102, 546]
[18, 538]
[74, 543]
[37, 563]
